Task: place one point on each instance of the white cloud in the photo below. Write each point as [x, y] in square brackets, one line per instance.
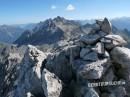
[70, 7]
[53, 7]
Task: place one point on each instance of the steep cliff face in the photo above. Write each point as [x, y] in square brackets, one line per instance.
[95, 65]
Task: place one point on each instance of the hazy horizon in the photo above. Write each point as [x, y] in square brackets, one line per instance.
[32, 11]
[15, 24]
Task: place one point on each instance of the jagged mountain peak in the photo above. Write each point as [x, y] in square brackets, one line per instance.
[44, 32]
[51, 31]
[59, 19]
[45, 24]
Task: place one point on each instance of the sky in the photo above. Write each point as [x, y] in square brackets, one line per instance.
[32, 11]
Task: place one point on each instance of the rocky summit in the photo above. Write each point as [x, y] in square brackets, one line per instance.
[96, 64]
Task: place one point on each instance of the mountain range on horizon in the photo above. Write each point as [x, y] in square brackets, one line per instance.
[11, 33]
[50, 31]
[116, 21]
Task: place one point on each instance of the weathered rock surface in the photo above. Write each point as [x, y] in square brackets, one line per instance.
[90, 38]
[109, 75]
[9, 58]
[99, 48]
[84, 91]
[91, 93]
[92, 56]
[29, 74]
[92, 70]
[84, 51]
[51, 84]
[121, 55]
[112, 41]
[116, 92]
[105, 25]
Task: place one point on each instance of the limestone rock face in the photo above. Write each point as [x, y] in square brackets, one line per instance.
[51, 84]
[29, 74]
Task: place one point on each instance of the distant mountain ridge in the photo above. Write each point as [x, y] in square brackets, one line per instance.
[70, 28]
[44, 32]
[9, 33]
[59, 28]
[28, 26]
[121, 23]
[51, 31]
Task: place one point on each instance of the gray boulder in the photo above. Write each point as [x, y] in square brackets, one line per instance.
[90, 38]
[101, 33]
[92, 70]
[105, 25]
[99, 48]
[51, 84]
[121, 55]
[78, 63]
[109, 75]
[84, 51]
[112, 41]
[91, 56]
[84, 91]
